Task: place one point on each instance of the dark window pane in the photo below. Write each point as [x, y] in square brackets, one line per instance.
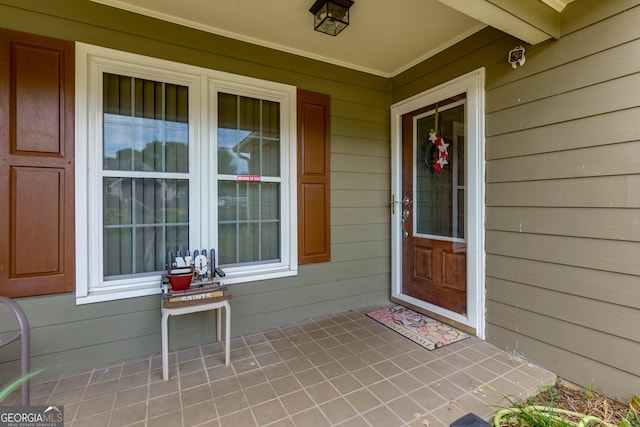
[438, 209]
[143, 218]
[249, 222]
[145, 129]
[248, 136]
[145, 125]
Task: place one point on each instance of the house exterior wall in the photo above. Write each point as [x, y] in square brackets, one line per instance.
[562, 192]
[67, 337]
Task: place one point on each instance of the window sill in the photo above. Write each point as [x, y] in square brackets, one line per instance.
[113, 293]
[151, 286]
[244, 276]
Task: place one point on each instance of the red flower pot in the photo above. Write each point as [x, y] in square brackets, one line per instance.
[180, 279]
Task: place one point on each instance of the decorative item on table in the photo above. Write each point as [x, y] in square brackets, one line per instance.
[192, 279]
[196, 294]
[200, 264]
[180, 278]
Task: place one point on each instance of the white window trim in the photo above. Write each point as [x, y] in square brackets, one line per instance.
[204, 84]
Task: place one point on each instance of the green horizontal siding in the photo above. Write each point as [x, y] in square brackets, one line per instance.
[562, 191]
[562, 201]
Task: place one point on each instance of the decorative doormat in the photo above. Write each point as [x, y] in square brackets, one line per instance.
[423, 330]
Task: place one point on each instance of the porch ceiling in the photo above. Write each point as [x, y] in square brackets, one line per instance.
[379, 40]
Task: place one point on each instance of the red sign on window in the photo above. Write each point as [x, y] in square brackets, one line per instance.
[248, 178]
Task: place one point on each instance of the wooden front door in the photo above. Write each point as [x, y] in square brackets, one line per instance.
[434, 248]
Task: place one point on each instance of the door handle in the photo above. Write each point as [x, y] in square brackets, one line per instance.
[405, 215]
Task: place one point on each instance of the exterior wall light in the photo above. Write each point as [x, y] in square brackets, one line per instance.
[331, 16]
[516, 57]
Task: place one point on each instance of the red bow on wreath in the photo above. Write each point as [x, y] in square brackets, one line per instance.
[438, 166]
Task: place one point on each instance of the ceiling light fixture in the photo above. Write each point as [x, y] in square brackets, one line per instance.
[331, 16]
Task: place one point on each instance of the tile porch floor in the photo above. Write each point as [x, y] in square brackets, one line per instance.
[337, 370]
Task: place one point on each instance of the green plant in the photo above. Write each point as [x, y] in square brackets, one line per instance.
[548, 395]
[13, 385]
[632, 420]
[633, 413]
[588, 392]
[536, 415]
[545, 416]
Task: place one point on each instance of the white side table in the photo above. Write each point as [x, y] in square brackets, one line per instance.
[194, 308]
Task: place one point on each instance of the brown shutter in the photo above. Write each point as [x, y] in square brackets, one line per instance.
[36, 165]
[314, 242]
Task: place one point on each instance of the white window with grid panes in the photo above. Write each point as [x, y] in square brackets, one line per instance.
[171, 158]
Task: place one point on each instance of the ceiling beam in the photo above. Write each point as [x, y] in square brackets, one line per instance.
[531, 21]
[558, 5]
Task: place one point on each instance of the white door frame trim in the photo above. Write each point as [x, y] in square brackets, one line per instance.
[473, 84]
